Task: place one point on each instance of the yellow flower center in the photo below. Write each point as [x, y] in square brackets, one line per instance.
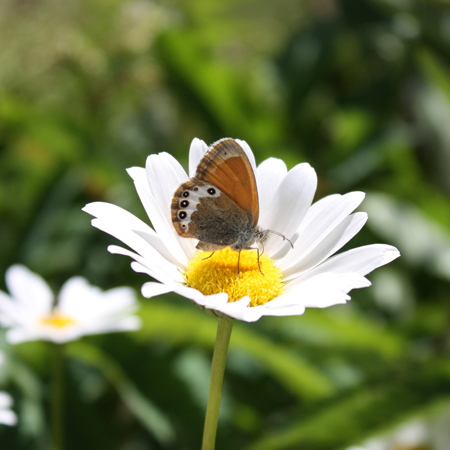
[57, 319]
[218, 273]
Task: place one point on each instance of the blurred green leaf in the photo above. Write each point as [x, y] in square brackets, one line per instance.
[150, 416]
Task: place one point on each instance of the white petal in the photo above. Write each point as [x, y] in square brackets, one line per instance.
[196, 153]
[89, 305]
[321, 219]
[74, 293]
[155, 242]
[248, 152]
[151, 266]
[120, 224]
[289, 206]
[134, 241]
[241, 311]
[360, 260]
[119, 299]
[18, 335]
[166, 241]
[181, 249]
[29, 289]
[152, 289]
[139, 176]
[140, 266]
[325, 245]
[269, 175]
[164, 174]
[130, 323]
[213, 301]
[5, 400]
[326, 289]
[12, 312]
[7, 417]
[288, 307]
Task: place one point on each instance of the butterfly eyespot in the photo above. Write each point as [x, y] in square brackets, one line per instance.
[182, 215]
[185, 194]
[196, 189]
[183, 226]
[184, 204]
[211, 191]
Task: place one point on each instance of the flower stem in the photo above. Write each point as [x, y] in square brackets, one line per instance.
[57, 390]
[224, 328]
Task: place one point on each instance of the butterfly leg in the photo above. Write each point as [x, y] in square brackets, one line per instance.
[209, 255]
[259, 265]
[239, 260]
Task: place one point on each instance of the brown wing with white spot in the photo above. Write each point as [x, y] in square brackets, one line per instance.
[185, 203]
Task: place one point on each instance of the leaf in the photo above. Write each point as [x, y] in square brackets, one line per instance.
[363, 413]
[144, 410]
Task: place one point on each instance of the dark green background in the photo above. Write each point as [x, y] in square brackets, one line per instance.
[360, 89]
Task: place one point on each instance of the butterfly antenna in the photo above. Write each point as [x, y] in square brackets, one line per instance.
[283, 236]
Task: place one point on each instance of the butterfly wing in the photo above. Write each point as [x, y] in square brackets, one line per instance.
[201, 210]
[227, 167]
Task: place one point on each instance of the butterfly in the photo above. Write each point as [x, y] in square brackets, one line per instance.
[219, 205]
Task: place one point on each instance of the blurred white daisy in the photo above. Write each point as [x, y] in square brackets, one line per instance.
[31, 311]
[414, 435]
[294, 279]
[7, 416]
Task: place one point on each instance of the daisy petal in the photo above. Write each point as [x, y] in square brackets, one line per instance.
[164, 175]
[29, 289]
[289, 205]
[151, 267]
[361, 260]
[152, 289]
[328, 245]
[269, 176]
[181, 249]
[196, 153]
[8, 417]
[248, 152]
[124, 226]
[240, 310]
[324, 216]
[288, 308]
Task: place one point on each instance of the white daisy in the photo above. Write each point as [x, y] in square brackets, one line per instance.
[294, 279]
[31, 312]
[7, 416]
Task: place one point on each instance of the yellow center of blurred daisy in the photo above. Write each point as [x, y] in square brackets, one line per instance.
[58, 320]
[218, 273]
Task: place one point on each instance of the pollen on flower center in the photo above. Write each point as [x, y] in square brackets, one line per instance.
[218, 273]
[58, 320]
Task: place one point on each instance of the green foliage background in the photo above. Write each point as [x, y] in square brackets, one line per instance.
[360, 89]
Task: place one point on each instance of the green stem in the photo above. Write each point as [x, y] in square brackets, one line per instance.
[224, 328]
[57, 390]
